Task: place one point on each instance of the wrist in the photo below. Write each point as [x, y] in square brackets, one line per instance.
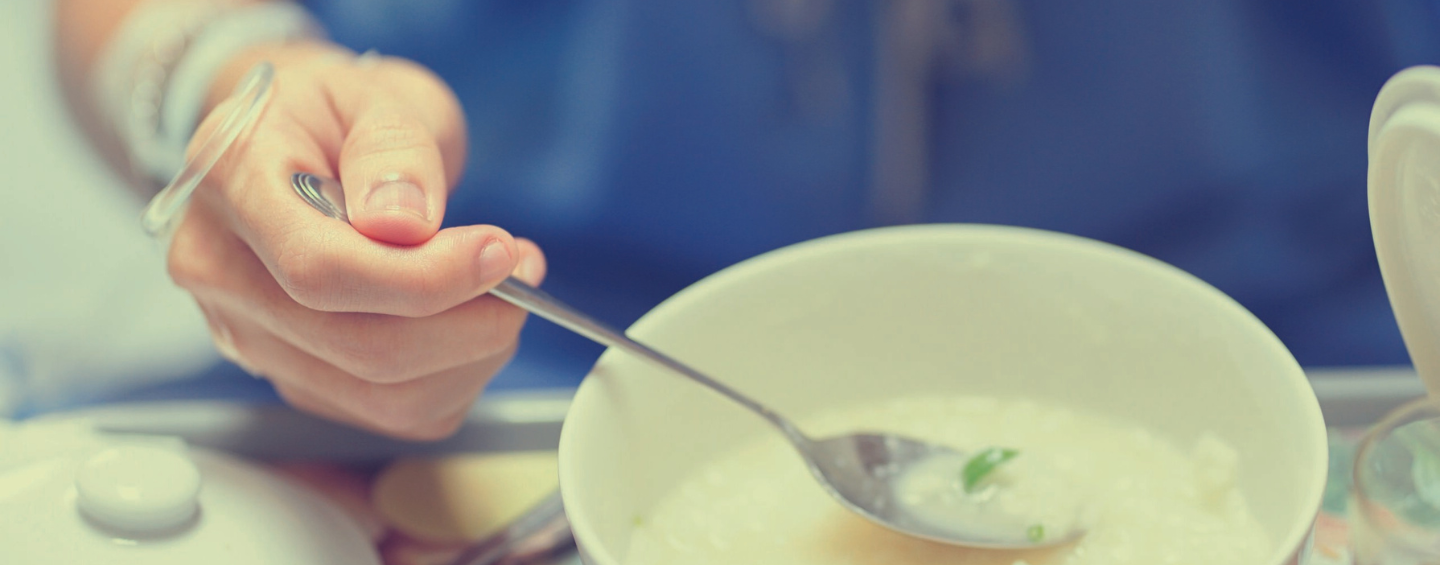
[154, 81]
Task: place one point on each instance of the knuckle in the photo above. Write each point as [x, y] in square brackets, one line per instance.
[297, 399]
[362, 362]
[396, 414]
[375, 364]
[443, 110]
[420, 288]
[184, 262]
[237, 350]
[504, 322]
[363, 346]
[409, 69]
[425, 295]
[234, 347]
[303, 276]
[437, 430]
[503, 356]
[390, 133]
[497, 346]
[413, 76]
[189, 261]
[511, 319]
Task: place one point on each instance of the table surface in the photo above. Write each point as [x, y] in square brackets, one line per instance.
[1350, 398]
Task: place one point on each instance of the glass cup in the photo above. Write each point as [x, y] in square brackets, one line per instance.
[1394, 511]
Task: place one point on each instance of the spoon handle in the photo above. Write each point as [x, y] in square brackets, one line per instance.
[326, 195]
[542, 304]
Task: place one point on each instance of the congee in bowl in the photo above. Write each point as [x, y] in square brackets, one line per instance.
[1134, 397]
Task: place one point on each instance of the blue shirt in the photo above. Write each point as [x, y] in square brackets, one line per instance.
[645, 145]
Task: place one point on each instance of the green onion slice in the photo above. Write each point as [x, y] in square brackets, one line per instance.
[1035, 533]
[983, 463]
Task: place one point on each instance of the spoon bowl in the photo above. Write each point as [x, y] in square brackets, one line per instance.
[862, 471]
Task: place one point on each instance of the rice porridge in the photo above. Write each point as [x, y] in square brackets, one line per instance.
[1140, 499]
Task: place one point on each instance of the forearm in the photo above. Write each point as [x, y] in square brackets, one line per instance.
[82, 28]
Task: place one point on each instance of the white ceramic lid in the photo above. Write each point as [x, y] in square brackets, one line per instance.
[1404, 179]
[69, 495]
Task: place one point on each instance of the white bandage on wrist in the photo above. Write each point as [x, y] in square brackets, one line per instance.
[151, 82]
[130, 75]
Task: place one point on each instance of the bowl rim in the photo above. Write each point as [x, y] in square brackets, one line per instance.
[1290, 543]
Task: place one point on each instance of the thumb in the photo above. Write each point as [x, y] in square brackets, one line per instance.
[394, 180]
[393, 163]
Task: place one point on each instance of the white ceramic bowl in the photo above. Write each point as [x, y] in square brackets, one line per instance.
[957, 309]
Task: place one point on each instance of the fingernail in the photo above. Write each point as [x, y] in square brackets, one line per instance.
[224, 340]
[494, 260]
[225, 345]
[527, 269]
[399, 196]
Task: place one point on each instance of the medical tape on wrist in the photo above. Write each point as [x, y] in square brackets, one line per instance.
[130, 74]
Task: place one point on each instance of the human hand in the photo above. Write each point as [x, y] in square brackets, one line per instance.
[384, 323]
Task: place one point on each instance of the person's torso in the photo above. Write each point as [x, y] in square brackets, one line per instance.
[645, 145]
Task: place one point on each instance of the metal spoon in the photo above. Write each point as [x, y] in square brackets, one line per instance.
[858, 470]
[539, 533]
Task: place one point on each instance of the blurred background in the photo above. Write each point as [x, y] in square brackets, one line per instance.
[645, 145]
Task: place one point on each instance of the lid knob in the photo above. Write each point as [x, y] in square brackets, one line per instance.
[138, 488]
